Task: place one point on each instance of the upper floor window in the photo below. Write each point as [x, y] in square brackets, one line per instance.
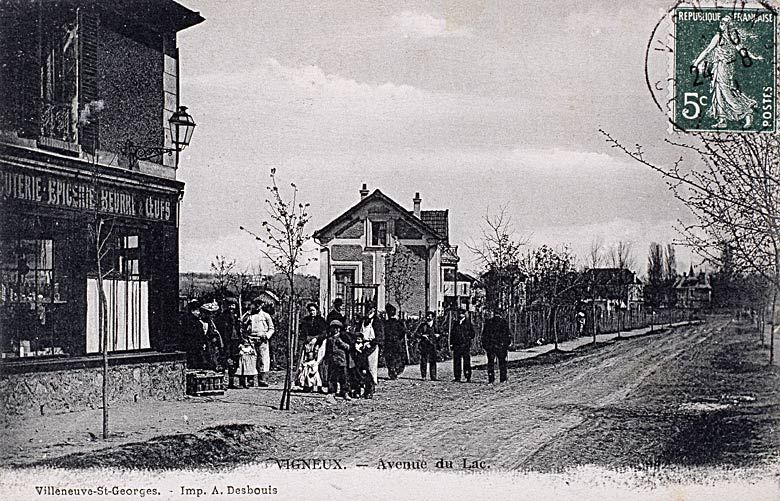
[378, 237]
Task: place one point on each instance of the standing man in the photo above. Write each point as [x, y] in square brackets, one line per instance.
[461, 335]
[496, 339]
[260, 327]
[335, 313]
[427, 335]
[229, 326]
[395, 343]
[193, 337]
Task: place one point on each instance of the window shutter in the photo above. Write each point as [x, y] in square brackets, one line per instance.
[89, 88]
[19, 64]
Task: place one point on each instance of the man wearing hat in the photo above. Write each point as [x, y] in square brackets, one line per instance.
[335, 313]
[496, 339]
[259, 328]
[229, 326]
[193, 338]
[461, 335]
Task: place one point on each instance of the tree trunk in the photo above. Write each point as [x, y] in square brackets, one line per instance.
[772, 327]
[553, 324]
[103, 334]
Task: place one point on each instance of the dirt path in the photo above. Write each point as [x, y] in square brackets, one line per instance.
[507, 424]
[694, 396]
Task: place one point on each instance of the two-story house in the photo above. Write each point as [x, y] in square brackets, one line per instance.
[693, 291]
[354, 250]
[90, 130]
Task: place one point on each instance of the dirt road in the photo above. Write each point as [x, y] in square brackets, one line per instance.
[698, 395]
[613, 405]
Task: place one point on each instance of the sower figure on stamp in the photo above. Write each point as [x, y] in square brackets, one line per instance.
[259, 329]
[461, 335]
[496, 339]
[726, 101]
[427, 335]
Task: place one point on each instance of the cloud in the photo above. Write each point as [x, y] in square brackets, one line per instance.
[420, 25]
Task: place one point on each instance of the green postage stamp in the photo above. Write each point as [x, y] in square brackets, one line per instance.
[725, 66]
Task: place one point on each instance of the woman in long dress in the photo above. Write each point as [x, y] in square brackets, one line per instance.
[726, 101]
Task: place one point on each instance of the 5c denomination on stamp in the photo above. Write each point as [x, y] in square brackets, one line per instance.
[724, 69]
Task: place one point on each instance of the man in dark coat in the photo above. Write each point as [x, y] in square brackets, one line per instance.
[395, 343]
[427, 335]
[335, 313]
[496, 339]
[193, 336]
[229, 325]
[461, 335]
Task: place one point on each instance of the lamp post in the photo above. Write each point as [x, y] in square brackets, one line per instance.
[181, 127]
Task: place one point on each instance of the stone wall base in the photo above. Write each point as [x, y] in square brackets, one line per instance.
[51, 392]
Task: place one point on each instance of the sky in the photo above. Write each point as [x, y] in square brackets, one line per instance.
[474, 104]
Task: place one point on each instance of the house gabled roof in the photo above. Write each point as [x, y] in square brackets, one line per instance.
[438, 220]
[377, 195]
[692, 281]
[611, 276]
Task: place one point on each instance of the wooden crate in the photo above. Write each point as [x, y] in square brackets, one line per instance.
[201, 383]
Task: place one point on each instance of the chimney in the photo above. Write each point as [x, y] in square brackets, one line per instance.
[417, 201]
[363, 192]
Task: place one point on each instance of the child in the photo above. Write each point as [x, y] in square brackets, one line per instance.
[360, 377]
[309, 371]
[336, 356]
[247, 363]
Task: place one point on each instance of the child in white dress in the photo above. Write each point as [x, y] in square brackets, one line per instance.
[247, 363]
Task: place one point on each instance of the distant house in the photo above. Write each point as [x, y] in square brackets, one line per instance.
[614, 289]
[354, 246]
[457, 288]
[693, 291]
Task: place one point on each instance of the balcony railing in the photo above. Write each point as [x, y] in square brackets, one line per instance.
[58, 121]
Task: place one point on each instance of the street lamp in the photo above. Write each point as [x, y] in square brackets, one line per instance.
[181, 127]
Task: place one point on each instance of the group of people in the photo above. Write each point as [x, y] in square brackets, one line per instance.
[343, 359]
[217, 338]
[334, 356]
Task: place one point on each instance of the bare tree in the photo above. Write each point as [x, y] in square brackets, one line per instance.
[499, 252]
[621, 255]
[733, 190]
[101, 235]
[655, 275]
[400, 274]
[670, 263]
[224, 276]
[554, 280]
[283, 239]
[596, 253]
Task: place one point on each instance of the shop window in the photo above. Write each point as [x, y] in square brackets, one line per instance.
[378, 234]
[30, 296]
[129, 258]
